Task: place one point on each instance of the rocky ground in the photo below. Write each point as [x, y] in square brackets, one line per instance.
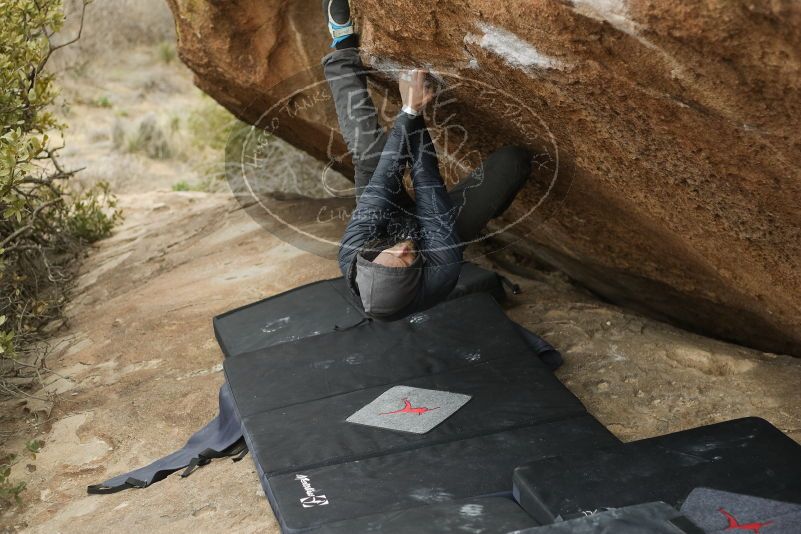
[137, 369]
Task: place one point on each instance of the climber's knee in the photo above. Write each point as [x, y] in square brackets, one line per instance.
[515, 162]
[511, 167]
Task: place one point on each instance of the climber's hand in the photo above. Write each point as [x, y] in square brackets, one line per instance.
[414, 90]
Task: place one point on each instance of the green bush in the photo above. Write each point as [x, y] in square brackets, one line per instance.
[166, 52]
[102, 102]
[45, 224]
[10, 490]
[210, 124]
[89, 218]
[183, 185]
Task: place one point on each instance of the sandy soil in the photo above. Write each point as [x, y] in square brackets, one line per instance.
[143, 367]
[139, 369]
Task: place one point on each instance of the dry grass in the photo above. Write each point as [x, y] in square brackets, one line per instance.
[270, 165]
[112, 27]
[138, 123]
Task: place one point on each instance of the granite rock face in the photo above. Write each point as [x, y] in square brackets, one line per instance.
[671, 132]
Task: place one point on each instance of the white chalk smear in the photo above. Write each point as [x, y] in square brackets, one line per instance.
[431, 495]
[511, 48]
[387, 66]
[418, 319]
[473, 356]
[614, 12]
[471, 510]
[274, 326]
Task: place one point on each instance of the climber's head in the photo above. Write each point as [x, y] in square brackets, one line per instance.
[387, 277]
[401, 254]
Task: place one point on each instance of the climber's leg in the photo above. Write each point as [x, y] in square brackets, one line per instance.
[358, 118]
[489, 190]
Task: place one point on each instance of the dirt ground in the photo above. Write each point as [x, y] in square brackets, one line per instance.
[141, 367]
[138, 367]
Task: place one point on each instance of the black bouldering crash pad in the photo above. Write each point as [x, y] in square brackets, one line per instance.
[473, 467]
[294, 399]
[648, 518]
[484, 515]
[748, 456]
[319, 308]
[506, 393]
[452, 335]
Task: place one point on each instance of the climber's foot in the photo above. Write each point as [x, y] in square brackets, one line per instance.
[337, 13]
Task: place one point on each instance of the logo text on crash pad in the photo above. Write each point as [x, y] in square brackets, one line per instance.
[312, 498]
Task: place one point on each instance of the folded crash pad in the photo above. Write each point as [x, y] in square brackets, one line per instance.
[748, 456]
[484, 515]
[319, 308]
[648, 518]
[294, 400]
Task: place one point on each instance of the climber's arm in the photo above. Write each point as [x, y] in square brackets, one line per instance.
[437, 241]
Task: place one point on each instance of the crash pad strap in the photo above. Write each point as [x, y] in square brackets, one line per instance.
[219, 438]
[551, 357]
[238, 450]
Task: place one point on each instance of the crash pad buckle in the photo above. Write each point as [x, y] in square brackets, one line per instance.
[239, 451]
[194, 463]
[511, 286]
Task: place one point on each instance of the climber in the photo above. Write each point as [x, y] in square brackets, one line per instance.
[400, 255]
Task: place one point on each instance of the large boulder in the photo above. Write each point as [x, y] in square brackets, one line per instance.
[676, 127]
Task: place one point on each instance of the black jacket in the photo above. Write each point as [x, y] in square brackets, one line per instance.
[385, 213]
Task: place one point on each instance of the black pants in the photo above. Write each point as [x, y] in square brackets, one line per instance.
[481, 196]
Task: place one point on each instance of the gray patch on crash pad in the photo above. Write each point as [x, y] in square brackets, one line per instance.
[409, 409]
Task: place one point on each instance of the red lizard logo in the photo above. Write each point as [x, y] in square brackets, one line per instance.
[407, 408]
[734, 525]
